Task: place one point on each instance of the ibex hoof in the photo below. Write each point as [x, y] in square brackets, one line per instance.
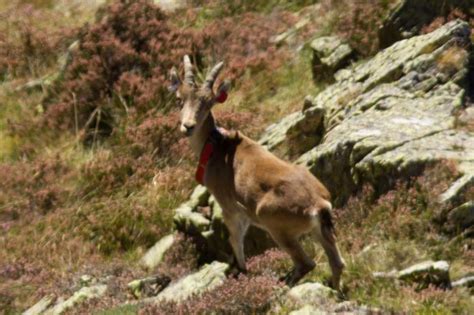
[291, 278]
[235, 271]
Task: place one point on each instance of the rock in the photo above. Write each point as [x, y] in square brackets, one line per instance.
[377, 119]
[171, 5]
[207, 278]
[427, 273]
[308, 310]
[41, 306]
[147, 287]
[199, 197]
[467, 282]
[287, 36]
[386, 275]
[409, 16]
[351, 307]
[154, 256]
[70, 7]
[84, 294]
[311, 293]
[186, 218]
[87, 280]
[462, 217]
[461, 185]
[330, 54]
[296, 133]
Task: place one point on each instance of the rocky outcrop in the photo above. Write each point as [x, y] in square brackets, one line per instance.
[154, 256]
[466, 282]
[330, 54]
[84, 294]
[41, 306]
[409, 16]
[171, 5]
[421, 275]
[394, 114]
[149, 286]
[427, 273]
[461, 217]
[207, 278]
[311, 292]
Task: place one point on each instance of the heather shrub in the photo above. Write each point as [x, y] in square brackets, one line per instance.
[28, 46]
[33, 188]
[121, 63]
[453, 15]
[242, 295]
[231, 8]
[358, 22]
[111, 171]
[394, 230]
[123, 223]
[404, 212]
[274, 262]
[246, 49]
[158, 135]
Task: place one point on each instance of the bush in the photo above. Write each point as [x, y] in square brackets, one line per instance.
[407, 211]
[121, 63]
[29, 188]
[453, 15]
[358, 22]
[246, 49]
[123, 59]
[27, 45]
[121, 224]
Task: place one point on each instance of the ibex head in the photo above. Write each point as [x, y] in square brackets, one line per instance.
[196, 102]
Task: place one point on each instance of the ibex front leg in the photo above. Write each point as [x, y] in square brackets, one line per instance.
[237, 224]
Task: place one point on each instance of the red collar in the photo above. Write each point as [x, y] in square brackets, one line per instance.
[216, 136]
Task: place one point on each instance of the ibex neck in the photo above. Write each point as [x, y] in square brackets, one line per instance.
[200, 136]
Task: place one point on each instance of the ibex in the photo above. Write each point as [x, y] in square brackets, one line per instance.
[251, 184]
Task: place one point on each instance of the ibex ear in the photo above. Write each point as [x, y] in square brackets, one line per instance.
[222, 90]
[175, 82]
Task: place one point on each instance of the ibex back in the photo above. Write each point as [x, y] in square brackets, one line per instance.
[252, 185]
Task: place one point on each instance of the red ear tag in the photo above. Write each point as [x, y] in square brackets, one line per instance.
[222, 97]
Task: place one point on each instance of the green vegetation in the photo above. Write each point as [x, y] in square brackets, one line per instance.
[85, 193]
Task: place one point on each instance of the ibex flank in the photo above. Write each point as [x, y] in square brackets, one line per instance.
[251, 184]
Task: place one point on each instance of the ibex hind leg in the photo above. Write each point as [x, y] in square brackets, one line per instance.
[324, 233]
[303, 263]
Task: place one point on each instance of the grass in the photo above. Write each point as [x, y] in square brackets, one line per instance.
[120, 310]
[392, 232]
[113, 201]
[270, 97]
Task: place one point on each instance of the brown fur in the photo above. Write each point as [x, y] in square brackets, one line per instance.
[255, 187]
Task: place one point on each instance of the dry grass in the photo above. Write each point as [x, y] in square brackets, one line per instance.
[67, 209]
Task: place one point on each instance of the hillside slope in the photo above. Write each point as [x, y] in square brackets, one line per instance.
[99, 210]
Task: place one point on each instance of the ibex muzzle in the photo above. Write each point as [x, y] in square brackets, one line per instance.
[252, 185]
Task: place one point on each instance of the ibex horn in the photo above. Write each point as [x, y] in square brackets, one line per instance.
[212, 75]
[188, 71]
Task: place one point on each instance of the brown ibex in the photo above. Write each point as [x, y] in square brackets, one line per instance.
[251, 184]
